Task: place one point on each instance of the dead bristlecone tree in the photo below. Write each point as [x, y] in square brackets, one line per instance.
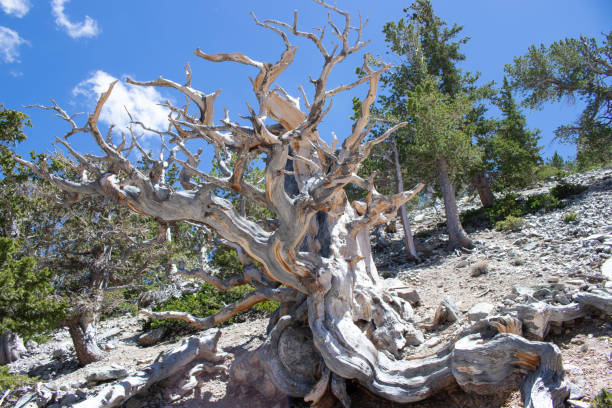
[336, 322]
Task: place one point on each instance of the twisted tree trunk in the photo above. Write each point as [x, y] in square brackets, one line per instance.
[83, 333]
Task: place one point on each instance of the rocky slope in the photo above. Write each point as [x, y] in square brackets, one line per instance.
[547, 260]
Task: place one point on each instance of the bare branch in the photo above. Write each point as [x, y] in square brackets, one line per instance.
[250, 299]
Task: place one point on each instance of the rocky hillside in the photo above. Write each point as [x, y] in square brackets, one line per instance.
[548, 260]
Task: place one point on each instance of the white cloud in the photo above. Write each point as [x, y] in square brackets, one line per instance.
[87, 28]
[141, 102]
[18, 8]
[9, 45]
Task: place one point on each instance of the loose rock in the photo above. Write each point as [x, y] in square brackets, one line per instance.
[151, 337]
[480, 311]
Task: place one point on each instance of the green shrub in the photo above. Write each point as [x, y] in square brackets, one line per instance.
[481, 267]
[547, 171]
[564, 190]
[11, 381]
[603, 399]
[509, 205]
[207, 301]
[569, 217]
[546, 202]
[474, 216]
[511, 223]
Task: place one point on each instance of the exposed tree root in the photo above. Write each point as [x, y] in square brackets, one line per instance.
[537, 316]
[166, 366]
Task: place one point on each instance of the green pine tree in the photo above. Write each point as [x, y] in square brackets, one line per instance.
[557, 161]
[510, 151]
[572, 69]
[428, 90]
[27, 305]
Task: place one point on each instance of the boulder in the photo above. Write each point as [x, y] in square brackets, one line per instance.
[446, 312]
[409, 295]
[107, 373]
[151, 337]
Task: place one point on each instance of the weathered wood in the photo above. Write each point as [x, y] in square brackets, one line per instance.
[165, 366]
[537, 317]
[600, 301]
[11, 348]
[487, 367]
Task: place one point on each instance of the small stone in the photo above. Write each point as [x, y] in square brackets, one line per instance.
[542, 293]
[480, 311]
[561, 299]
[521, 290]
[530, 246]
[461, 264]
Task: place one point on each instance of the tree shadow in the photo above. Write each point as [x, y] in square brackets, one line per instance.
[54, 368]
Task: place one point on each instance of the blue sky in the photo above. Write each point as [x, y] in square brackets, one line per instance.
[70, 50]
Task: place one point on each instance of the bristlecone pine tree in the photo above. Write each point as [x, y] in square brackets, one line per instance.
[337, 319]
